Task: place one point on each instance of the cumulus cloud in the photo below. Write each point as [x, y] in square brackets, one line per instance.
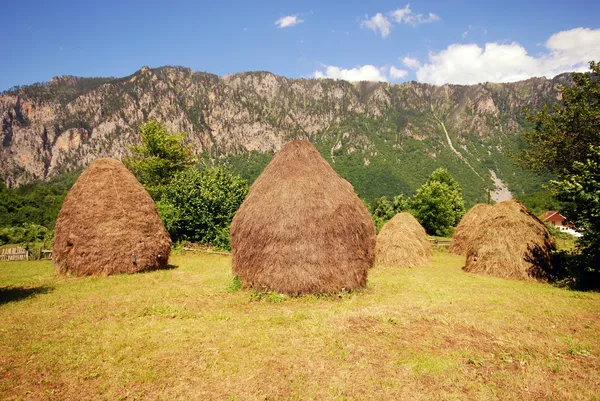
[365, 73]
[397, 74]
[288, 20]
[378, 23]
[407, 16]
[497, 62]
[411, 63]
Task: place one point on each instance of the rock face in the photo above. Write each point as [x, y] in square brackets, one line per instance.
[67, 123]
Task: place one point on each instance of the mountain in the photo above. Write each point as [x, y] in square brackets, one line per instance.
[384, 138]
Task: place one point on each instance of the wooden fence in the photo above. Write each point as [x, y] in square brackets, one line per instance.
[443, 243]
[45, 253]
[14, 254]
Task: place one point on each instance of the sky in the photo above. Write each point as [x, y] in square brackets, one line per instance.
[462, 42]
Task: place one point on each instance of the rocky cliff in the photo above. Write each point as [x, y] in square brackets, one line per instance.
[367, 130]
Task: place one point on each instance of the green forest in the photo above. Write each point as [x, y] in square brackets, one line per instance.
[28, 211]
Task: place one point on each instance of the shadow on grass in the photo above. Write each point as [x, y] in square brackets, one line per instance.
[170, 267]
[12, 294]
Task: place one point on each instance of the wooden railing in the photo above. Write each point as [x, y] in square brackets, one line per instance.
[14, 254]
[444, 243]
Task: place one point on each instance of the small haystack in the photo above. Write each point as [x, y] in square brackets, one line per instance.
[463, 234]
[108, 224]
[402, 241]
[302, 229]
[512, 243]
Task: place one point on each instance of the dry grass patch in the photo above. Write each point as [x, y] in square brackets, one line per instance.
[412, 334]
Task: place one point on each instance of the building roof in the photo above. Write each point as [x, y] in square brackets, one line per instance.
[552, 215]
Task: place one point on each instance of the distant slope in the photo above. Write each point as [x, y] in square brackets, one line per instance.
[384, 138]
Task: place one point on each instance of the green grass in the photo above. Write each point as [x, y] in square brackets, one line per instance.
[190, 333]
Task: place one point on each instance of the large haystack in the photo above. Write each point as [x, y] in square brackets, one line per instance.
[512, 243]
[108, 224]
[463, 234]
[302, 229]
[402, 241]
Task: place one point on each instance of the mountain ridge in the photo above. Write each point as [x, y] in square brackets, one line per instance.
[362, 128]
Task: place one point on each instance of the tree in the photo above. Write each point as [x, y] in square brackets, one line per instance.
[580, 190]
[563, 135]
[198, 205]
[566, 142]
[438, 204]
[158, 157]
[400, 204]
[383, 210]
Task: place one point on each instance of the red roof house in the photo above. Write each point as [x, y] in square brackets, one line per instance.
[556, 219]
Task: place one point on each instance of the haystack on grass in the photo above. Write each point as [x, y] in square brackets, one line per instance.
[108, 224]
[402, 241]
[302, 229]
[463, 234]
[511, 243]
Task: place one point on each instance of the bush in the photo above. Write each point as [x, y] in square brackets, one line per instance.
[199, 205]
[438, 204]
[26, 234]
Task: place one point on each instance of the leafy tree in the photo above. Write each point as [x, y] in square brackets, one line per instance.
[563, 135]
[580, 190]
[159, 156]
[438, 204]
[383, 210]
[400, 204]
[566, 142]
[198, 205]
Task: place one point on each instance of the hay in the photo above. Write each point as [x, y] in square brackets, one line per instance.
[511, 243]
[105, 218]
[463, 234]
[403, 242]
[302, 229]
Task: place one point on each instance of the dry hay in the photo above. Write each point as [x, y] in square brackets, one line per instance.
[403, 242]
[511, 243]
[463, 234]
[302, 229]
[108, 224]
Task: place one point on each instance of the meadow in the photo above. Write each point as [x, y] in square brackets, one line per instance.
[190, 333]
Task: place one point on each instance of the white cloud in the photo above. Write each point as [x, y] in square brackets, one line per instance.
[396, 73]
[400, 15]
[365, 73]
[432, 17]
[411, 63]
[407, 16]
[496, 62]
[287, 21]
[378, 22]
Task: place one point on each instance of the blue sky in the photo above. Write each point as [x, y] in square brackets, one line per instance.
[432, 41]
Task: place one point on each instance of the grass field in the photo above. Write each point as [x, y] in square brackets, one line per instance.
[188, 333]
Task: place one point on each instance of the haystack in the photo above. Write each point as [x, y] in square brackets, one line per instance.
[302, 229]
[108, 224]
[463, 234]
[402, 241]
[512, 243]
